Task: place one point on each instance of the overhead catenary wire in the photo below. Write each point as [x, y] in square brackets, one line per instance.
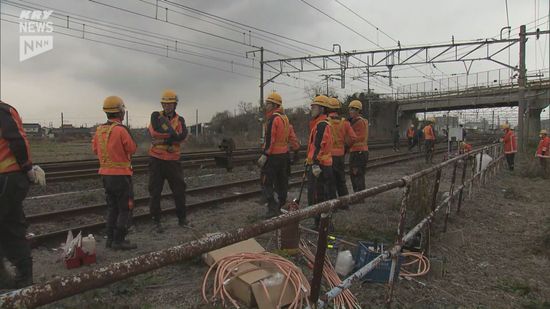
[140, 41]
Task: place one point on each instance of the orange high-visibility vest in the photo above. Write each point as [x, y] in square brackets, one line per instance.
[543, 150]
[360, 126]
[323, 151]
[8, 161]
[114, 147]
[342, 132]
[510, 143]
[429, 133]
[162, 151]
[410, 132]
[277, 137]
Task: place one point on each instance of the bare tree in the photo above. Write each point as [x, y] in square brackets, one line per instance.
[246, 108]
[313, 91]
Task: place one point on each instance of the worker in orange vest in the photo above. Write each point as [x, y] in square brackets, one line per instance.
[319, 154]
[114, 146]
[464, 148]
[410, 136]
[543, 150]
[359, 150]
[342, 135]
[275, 158]
[16, 174]
[510, 145]
[429, 138]
[168, 131]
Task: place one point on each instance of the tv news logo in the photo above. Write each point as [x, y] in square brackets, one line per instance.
[32, 27]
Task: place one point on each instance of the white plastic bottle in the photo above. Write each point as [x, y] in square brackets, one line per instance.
[88, 244]
[344, 263]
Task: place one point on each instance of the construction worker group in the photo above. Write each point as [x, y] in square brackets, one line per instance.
[331, 136]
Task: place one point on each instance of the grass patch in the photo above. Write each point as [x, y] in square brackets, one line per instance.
[515, 286]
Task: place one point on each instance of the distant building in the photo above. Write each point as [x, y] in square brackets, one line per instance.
[68, 130]
[482, 125]
[33, 129]
[442, 122]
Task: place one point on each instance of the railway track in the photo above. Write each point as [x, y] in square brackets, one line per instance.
[237, 190]
[79, 169]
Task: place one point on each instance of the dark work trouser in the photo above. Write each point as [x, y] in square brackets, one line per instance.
[430, 144]
[510, 160]
[339, 170]
[358, 166]
[119, 194]
[321, 188]
[13, 225]
[275, 180]
[170, 170]
[410, 143]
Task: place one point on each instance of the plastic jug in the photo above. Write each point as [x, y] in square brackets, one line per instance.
[88, 244]
[344, 263]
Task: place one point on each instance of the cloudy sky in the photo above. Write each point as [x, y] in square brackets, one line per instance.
[209, 71]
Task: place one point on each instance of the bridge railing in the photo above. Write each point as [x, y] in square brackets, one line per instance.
[479, 83]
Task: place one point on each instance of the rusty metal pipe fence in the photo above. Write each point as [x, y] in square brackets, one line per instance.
[66, 286]
[476, 181]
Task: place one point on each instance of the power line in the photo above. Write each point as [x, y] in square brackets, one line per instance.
[245, 25]
[270, 40]
[183, 26]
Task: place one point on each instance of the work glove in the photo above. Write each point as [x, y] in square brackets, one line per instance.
[31, 174]
[315, 170]
[262, 160]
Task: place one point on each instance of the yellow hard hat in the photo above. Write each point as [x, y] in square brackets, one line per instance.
[505, 126]
[321, 100]
[543, 132]
[113, 104]
[274, 98]
[335, 103]
[431, 119]
[169, 96]
[356, 104]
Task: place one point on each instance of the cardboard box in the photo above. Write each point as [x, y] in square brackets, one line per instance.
[249, 245]
[241, 286]
[263, 301]
[247, 285]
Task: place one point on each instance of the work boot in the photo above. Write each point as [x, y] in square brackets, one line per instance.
[23, 273]
[109, 241]
[157, 227]
[183, 222]
[7, 282]
[119, 242]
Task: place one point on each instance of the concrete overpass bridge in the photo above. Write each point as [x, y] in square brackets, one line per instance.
[492, 94]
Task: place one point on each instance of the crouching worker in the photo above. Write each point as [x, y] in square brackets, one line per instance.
[114, 147]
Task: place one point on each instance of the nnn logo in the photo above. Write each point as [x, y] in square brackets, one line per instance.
[32, 27]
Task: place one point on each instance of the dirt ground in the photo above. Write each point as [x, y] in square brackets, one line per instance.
[490, 257]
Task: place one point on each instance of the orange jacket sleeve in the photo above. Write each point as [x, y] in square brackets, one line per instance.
[293, 139]
[275, 127]
[128, 142]
[361, 131]
[351, 137]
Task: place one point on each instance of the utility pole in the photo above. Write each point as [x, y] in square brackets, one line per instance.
[62, 128]
[127, 119]
[197, 122]
[521, 83]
